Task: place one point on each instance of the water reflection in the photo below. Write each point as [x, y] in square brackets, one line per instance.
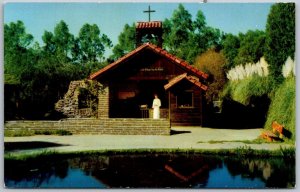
[150, 171]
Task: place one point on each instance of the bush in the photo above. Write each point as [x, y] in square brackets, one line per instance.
[242, 90]
[62, 132]
[283, 106]
[44, 132]
[18, 133]
[212, 62]
[53, 132]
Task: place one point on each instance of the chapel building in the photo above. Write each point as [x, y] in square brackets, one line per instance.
[131, 82]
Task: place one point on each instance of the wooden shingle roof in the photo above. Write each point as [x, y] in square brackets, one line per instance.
[157, 50]
[183, 76]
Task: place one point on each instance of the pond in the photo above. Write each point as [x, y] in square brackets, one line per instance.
[150, 171]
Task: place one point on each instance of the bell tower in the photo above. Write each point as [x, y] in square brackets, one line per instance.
[150, 31]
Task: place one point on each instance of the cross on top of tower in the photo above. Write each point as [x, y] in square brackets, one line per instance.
[149, 11]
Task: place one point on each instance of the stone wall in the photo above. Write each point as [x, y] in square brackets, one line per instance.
[103, 103]
[69, 105]
[97, 126]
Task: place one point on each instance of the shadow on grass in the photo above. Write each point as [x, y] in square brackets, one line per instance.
[11, 146]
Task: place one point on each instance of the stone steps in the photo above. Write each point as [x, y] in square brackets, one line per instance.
[115, 126]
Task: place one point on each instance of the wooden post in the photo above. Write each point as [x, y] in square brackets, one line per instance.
[169, 106]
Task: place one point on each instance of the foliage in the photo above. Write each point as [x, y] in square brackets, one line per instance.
[186, 38]
[252, 45]
[289, 68]
[177, 31]
[39, 85]
[182, 36]
[11, 79]
[280, 37]
[255, 141]
[243, 90]
[92, 43]
[18, 133]
[53, 132]
[62, 132]
[25, 132]
[17, 54]
[63, 40]
[230, 44]
[40, 155]
[240, 72]
[244, 48]
[126, 42]
[283, 106]
[88, 95]
[212, 62]
[241, 151]
[43, 73]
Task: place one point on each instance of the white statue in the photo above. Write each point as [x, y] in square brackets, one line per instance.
[156, 105]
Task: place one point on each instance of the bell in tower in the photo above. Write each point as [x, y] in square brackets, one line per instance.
[150, 31]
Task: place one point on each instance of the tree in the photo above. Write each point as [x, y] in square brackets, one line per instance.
[48, 39]
[280, 37]
[203, 37]
[230, 44]
[16, 44]
[212, 62]
[177, 32]
[63, 40]
[15, 37]
[252, 45]
[92, 43]
[126, 42]
[37, 70]
[59, 43]
[186, 38]
[40, 87]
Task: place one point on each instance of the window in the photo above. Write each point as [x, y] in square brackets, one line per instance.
[185, 99]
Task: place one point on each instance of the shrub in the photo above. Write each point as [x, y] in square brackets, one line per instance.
[44, 132]
[280, 37]
[62, 132]
[288, 68]
[241, 72]
[283, 106]
[18, 133]
[53, 132]
[212, 62]
[242, 90]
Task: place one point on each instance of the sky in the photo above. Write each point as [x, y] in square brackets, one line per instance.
[111, 17]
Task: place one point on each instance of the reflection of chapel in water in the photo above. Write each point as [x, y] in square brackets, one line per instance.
[133, 80]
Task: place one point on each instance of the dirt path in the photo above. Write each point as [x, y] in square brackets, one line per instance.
[183, 138]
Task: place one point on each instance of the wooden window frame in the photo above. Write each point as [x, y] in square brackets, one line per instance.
[186, 107]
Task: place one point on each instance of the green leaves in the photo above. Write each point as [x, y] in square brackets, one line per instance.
[280, 37]
[15, 37]
[186, 38]
[89, 46]
[252, 45]
[231, 44]
[126, 42]
[59, 43]
[63, 38]
[92, 43]
[43, 73]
